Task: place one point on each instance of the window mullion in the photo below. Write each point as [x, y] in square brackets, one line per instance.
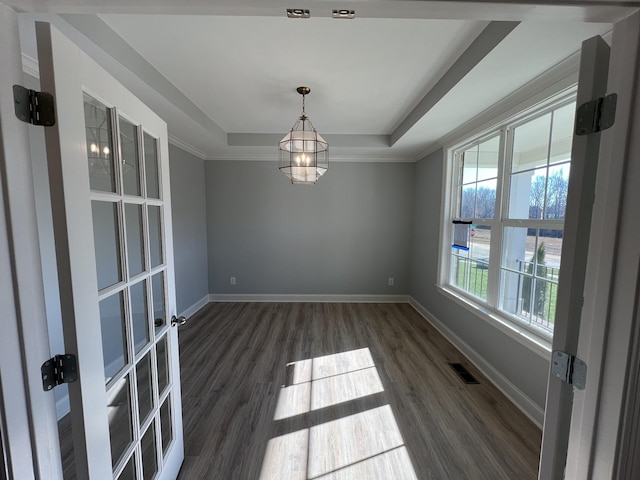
[496, 229]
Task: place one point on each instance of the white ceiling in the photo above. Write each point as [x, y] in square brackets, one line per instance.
[210, 75]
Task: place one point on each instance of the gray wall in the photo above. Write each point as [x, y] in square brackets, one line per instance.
[345, 235]
[523, 368]
[188, 208]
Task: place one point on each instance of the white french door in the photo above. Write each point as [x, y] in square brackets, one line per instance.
[109, 174]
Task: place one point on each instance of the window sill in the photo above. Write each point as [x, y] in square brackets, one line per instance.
[538, 344]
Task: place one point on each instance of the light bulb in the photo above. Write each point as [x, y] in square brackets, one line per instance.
[105, 150]
[94, 148]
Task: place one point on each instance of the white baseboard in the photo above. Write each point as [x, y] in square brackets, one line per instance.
[196, 306]
[241, 297]
[513, 393]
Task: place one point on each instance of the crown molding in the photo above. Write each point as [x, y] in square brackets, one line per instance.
[182, 145]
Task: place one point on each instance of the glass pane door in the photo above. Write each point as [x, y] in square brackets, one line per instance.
[127, 211]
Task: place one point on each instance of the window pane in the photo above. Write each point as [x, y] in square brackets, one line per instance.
[165, 421]
[130, 159]
[135, 245]
[155, 236]
[562, 133]
[470, 165]
[527, 194]
[470, 269]
[129, 472]
[486, 199]
[151, 166]
[531, 144]
[149, 461]
[488, 158]
[139, 314]
[106, 243]
[120, 424]
[163, 365]
[145, 392]
[113, 336]
[157, 290]
[468, 201]
[529, 279]
[99, 145]
[557, 188]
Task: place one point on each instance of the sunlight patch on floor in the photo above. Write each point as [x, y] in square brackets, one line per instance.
[364, 445]
[326, 381]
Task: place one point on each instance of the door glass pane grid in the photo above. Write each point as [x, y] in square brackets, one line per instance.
[139, 419]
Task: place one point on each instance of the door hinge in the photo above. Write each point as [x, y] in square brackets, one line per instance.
[34, 107]
[59, 369]
[569, 368]
[596, 115]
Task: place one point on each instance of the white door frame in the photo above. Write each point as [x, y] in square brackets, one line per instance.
[608, 340]
[29, 423]
[592, 83]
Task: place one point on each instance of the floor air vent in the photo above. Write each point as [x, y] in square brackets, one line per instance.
[463, 373]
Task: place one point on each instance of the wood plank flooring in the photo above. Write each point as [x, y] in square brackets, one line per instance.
[294, 391]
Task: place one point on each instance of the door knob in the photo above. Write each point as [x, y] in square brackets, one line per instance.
[178, 321]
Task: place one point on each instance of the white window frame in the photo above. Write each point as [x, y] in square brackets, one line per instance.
[536, 339]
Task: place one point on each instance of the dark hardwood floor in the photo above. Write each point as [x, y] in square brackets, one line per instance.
[294, 391]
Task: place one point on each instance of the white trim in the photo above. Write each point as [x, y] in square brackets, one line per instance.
[293, 298]
[195, 307]
[535, 343]
[63, 406]
[182, 145]
[527, 406]
[30, 66]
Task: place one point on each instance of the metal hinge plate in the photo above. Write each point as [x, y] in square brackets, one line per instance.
[569, 368]
[596, 115]
[58, 370]
[34, 107]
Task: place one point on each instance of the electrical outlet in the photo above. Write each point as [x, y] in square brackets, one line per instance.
[232, 280]
[390, 281]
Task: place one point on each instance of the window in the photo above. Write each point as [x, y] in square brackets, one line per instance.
[510, 186]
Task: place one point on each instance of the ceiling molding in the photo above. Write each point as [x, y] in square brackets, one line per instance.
[489, 38]
[176, 142]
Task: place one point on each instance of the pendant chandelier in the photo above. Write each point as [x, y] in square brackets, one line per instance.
[303, 155]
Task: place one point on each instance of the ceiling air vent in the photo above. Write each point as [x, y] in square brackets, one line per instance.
[298, 13]
[349, 14]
